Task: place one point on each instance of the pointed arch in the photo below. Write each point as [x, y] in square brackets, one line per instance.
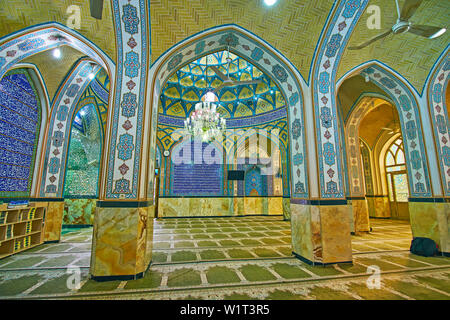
[33, 87]
[258, 52]
[27, 42]
[60, 124]
[437, 106]
[406, 100]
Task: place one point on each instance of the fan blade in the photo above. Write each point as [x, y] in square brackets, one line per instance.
[247, 82]
[409, 8]
[219, 73]
[96, 8]
[426, 31]
[223, 85]
[365, 44]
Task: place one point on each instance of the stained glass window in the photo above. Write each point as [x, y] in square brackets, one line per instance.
[20, 118]
[396, 172]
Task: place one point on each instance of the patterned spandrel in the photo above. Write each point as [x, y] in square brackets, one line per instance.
[19, 128]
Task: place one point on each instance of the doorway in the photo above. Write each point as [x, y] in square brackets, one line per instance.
[397, 180]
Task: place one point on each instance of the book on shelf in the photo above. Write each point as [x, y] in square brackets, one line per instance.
[28, 227]
[18, 244]
[18, 204]
[3, 216]
[9, 231]
[27, 242]
[31, 213]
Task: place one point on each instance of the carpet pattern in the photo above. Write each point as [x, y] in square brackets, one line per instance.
[233, 258]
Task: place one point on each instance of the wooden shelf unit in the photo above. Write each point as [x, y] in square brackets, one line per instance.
[21, 228]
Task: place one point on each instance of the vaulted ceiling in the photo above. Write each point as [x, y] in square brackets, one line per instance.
[190, 83]
[410, 55]
[54, 70]
[292, 27]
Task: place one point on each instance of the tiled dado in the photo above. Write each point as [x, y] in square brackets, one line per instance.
[122, 242]
[211, 207]
[431, 220]
[321, 234]
[53, 220]
[379, 207]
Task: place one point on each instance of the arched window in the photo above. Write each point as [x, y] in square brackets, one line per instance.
[395, 165]
[20, 120]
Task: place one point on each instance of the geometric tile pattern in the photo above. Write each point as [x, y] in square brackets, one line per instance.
[123, 163]
[340, 27]
[187, 87]
[437, 104]
[20, 121]
[60, 125]
[411, 127]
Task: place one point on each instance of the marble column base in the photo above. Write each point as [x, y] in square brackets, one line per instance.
[378, 207]
[431, 220]
[287, 209]
[122, 243]
[53, 221]
[360, 214]
[321, 234]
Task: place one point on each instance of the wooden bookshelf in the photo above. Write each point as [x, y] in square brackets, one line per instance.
[21, 228]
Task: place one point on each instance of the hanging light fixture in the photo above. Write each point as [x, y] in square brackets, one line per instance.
[205, 122]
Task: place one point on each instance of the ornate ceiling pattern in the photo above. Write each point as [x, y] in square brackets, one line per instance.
[19, 14]
[190, 83]
[54, 70]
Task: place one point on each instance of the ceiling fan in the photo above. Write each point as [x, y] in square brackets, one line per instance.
[403, 25]
[396, 129]
[96, 8]
[227, 81]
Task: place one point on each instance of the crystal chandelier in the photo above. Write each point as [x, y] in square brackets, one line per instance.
[205, 122]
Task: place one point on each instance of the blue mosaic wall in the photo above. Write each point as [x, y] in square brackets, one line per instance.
[20, 117]
[255, 183]
[84, 154]
[189, 179]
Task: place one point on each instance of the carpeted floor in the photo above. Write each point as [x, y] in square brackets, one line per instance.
[233, 258]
